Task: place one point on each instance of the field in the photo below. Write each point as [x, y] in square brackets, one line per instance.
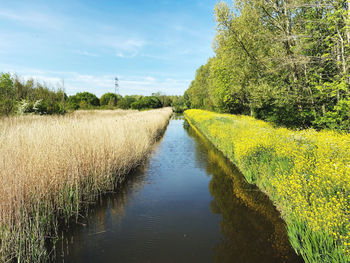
[51, 166]
[305, 173]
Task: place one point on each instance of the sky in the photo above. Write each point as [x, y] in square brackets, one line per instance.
[151, 46]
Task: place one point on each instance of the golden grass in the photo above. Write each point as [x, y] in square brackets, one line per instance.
[50, 165]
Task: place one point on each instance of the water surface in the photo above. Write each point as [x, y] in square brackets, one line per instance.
[186, 204]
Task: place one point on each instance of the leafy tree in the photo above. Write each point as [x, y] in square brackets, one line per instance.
[147, 102]
[87, 99]
[164, 99]
[109, 98]
[7, 94]
[286, 62]
[73, 102]
[125, 102]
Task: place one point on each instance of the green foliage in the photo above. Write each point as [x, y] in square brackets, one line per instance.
[126, 101]
[164, 99]
[28, 97]
[7, 94]
[197, 93]
[87, 100]
[73, 102]
[82, 100]
[147, 102]
[178, 103]
[286, 62]
[307, 243]
[110, 99]
[336, 119]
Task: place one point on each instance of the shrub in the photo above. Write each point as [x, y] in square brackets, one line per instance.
[109, 99]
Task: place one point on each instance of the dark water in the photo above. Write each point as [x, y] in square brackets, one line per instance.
[186, 204]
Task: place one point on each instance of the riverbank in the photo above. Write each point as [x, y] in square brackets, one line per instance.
[52, 166]
[306, 174]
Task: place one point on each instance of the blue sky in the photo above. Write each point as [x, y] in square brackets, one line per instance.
[149, 45]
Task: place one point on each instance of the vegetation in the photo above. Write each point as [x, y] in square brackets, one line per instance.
[109, 99]
[52, 165]
[178, 103]
[305, 173]
[285, 62]
[21, 97]
[146, 102]
[83, 100]
[29, 97]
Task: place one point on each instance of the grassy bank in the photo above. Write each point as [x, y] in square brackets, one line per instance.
[305, 173]
[51, 166]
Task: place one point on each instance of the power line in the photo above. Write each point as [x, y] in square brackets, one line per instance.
[116, 85]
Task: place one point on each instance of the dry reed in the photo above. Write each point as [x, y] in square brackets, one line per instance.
[50, 166]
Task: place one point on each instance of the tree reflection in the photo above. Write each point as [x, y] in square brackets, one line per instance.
[251, 226]
[100, 217]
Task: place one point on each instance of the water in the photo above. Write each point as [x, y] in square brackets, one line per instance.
[186, 204]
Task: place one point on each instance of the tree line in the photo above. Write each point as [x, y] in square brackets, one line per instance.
[282, 61]
[31, 97]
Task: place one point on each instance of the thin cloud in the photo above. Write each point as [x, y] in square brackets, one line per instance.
[33, 19]
[86, 53]
[127, 47]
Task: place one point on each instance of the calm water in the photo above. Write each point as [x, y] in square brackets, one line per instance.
[186, 204]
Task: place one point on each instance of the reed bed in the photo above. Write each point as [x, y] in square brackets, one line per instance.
[305, 173]
[51, 166]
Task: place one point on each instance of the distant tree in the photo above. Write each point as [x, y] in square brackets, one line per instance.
[164, 99]
[147, 102]
[178, 103]
[72, 103]
[7, 94]
[88, 99]
[109, 99]
[125, 102]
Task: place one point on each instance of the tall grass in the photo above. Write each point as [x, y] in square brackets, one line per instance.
[305, 173]
[51, 166]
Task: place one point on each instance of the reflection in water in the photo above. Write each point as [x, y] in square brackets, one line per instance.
[109, 208]
[251, 226]
[165, 212]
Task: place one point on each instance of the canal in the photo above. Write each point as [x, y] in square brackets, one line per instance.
[187, 203]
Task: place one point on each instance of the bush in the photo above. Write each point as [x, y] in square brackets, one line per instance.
[82, 100]
[148, 102]
[109, 99]
[88, 99]
[72, 103]
[125, 102]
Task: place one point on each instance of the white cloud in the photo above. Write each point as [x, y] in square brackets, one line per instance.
[33, 19]
[121, 45]
[86, 53]
[151, 79]
[125, 47]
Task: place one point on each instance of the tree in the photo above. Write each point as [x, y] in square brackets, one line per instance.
[7, 94]
[147, 102]
[87, 100]
[285, 61]
[125, 102]
[73, 102]
[110, 99]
